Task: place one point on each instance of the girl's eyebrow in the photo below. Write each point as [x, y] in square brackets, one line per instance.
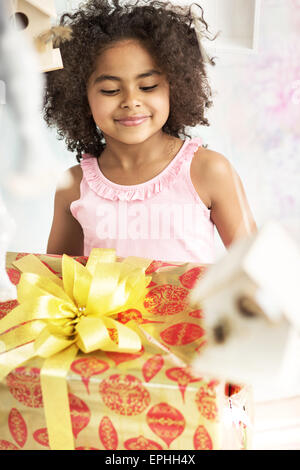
[149, 73]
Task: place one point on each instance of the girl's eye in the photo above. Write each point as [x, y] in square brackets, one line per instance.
[147, 88]
[109, 92]
[144, 88]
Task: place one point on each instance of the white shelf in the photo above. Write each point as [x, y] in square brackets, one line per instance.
[232, 44]
[237, 21]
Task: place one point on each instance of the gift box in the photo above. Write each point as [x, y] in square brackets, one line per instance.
[146, 399]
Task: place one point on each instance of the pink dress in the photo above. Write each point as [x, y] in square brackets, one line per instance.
[162, 219]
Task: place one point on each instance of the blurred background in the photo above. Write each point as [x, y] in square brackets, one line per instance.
[255, 120]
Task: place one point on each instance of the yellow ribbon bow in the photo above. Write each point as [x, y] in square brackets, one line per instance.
[57, 317]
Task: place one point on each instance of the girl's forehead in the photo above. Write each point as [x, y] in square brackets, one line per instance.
[125, 55]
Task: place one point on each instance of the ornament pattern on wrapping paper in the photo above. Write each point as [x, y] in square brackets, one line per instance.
[206, 401]
[166, 422]
[181, 334]
[202, 440]
[86, 448]
[124, 394]
[14, 275]
[17, 427]
[108, 434]
[190, 277]
[130, 314]
[113, 334]
[6, 307]
[57, 273]
[21, 255]
[141, 443]
[166, 300]
[133, 314]
[152, 284]
[201, 346]
[80, 418]
[118, 357]
[41, 437]
[24, 384]
[152, 366]
[6, 445]
[183, 376]
[80, 414]
[196, 313]
[53, 256]
[155, 265]
[86, 367]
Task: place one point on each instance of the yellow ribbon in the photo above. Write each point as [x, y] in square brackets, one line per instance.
[57, 317]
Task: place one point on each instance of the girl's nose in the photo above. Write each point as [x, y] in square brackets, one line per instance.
[130, 100]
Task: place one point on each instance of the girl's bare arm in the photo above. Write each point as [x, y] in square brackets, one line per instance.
[230, 210]
[66, 235]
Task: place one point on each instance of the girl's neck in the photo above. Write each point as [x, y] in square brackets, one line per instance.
[128, 157]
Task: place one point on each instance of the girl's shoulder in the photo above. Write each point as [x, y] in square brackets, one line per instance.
[76, 173]
[207, 159]
[210, 165]
[208, 168]
[68, 187]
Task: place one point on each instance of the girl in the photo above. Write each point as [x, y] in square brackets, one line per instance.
[134, 77]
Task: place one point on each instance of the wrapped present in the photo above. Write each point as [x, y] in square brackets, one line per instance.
[96, 354]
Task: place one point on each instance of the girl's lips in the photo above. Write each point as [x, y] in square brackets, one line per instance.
[133, 122]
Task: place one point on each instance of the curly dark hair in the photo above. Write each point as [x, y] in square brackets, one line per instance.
[168, 33]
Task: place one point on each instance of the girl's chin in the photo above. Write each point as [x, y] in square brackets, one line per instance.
[129, 139]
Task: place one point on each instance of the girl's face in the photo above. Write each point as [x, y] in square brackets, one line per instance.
[126, 84]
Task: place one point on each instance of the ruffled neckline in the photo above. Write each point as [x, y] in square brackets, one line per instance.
[113, 191]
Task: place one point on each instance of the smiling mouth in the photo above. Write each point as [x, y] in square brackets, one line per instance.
[132, 122]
